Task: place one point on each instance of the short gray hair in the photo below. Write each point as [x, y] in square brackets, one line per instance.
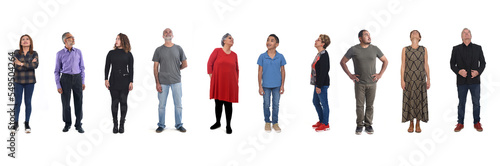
[467, 29]
[64, 36]
[224, 38]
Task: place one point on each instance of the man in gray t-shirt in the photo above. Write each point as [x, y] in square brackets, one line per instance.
[171, 60]
[364, 57]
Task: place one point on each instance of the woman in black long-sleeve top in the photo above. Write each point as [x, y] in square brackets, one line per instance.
[120, 81]
[321, 81]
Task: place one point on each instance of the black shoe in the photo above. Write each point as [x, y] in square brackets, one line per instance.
[122, 127]
[66, 128]
[27, 127]
[159, 130]
[229, 130]
[215, 126]
[369, 129]
[15, 127]
[359, 129]
[115, 126]
[181, 129]
[80, 130]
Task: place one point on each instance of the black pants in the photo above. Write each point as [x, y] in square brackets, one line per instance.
[118, 97]
[72, 82]
[228, 106]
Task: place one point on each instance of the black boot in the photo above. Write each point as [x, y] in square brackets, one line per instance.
[27, 127]
[122, 126]
[115, 126]
[15, 127]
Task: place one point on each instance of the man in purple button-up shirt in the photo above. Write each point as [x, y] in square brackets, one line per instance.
[70, 76]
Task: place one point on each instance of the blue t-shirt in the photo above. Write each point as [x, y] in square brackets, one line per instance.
[271, 73]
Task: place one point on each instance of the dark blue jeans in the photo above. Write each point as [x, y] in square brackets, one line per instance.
[475, 91]
[70, 82]
[275, 92]
[28, 93]
[320, 101]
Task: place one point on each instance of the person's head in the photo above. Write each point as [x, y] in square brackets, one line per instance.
[415, 35]
[227, 39]
[122, 42]
[364, 37]
[466, 35]
[323, 41]
[26, 41]
[68, 39]
[272, 41]
[168, 34]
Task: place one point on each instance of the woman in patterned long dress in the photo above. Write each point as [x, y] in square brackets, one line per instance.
[415, 80]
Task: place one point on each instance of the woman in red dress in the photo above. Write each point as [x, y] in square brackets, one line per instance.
[222, 67]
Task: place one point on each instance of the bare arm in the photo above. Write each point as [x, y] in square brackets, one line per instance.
[343, 63]
[157, 81]
[427, 71]
[403, 66]
[282, 89]
[385, 62]
[261, 90]
[184, 64]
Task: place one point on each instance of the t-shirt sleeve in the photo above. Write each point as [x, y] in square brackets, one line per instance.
[283, 61]
[156, 55]
[260, 61]
[182, 55]
[349, 52]
[379, 52]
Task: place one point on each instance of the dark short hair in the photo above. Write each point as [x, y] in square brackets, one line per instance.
[360, 34]
[275, 37]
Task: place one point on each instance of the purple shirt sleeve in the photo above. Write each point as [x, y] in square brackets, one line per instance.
[57, 70]
[82, 68]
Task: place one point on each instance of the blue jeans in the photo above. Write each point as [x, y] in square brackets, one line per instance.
[475, 91]
[320, 101]
[275, 92]
[28, 93]
[162, 97]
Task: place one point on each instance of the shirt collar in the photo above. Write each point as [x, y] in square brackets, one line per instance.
[66, 49]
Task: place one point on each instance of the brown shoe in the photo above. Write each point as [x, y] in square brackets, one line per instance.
[410, 129]
[478, 127]
[417, 128]
[276, 128]
[459, 127]
[268, 127]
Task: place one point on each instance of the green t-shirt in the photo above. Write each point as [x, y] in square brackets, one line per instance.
[364, 60]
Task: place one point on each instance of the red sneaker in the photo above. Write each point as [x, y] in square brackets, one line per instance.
[459, 127]
[322, 127]
[316, 125]
[478, 127]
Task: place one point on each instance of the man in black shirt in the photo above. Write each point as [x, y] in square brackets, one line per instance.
[467, 61]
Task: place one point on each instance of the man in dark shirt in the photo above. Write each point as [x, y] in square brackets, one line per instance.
[467, 61]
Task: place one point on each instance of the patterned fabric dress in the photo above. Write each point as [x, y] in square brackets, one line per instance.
[415, 95]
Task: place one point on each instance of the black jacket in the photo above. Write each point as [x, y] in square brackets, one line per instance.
[469, 58]
[322, 68]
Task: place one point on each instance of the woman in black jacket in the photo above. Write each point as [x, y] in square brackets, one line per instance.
[121, 61]
[321, 81]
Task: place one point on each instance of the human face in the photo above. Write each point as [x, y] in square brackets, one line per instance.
[69, 40]
[318, 43]
[271, 43]
[466, 35]
[229, 41]
[25, 41]
[365, 39]
[168, 34]
[118, 42]
[415, 36]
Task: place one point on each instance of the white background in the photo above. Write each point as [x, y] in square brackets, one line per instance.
[198, 26]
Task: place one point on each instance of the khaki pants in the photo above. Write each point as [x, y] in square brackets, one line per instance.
[365, 93]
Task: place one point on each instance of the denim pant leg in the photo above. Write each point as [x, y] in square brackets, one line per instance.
[66, 84]
[177, 96]
[28, 93]
[317, 105]
[462, 98]
[266, 104]
[18, 93]
[78, 99]
[475, 91]
[276, 103]
[323, 98]
[162, 99]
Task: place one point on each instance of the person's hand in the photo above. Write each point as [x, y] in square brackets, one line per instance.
[34, 60]
[354, 78]
[474, 73]
[60, 91]
[130, 86]
[376, 77]
[428, 84]
[282, 90]
[106, 83]
[158, 88]
[83, 86]
[261, 91]
[463, 73]
[403, 85]
[318, 90]
[17, 62]
[210, 75]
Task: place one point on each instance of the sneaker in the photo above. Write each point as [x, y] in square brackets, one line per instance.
[316, 125]
[277, 128]
[15, 128]
[478, 127]
[460, 127]
[159, 130]
[267, 127]
[215, 126]
[181, 129]
[323, 127]
[80, 130]
[369, 129]
[359, 129]
[66, 128]
[27, 127]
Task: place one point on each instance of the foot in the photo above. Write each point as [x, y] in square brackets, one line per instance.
[15, 127]
[267, 127]
[410, 129]
[159, 130]
[215, 126]
[478, 127]
[359, 129]
[80, 130]
[459, 127]
[417, 128]
[316, 125]
[369, 129]
[229, 130]
[115, 129]
[66, 128]
[322, 127]
[121, 130]
[27, 127]
[181, 129]
[277, 128]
